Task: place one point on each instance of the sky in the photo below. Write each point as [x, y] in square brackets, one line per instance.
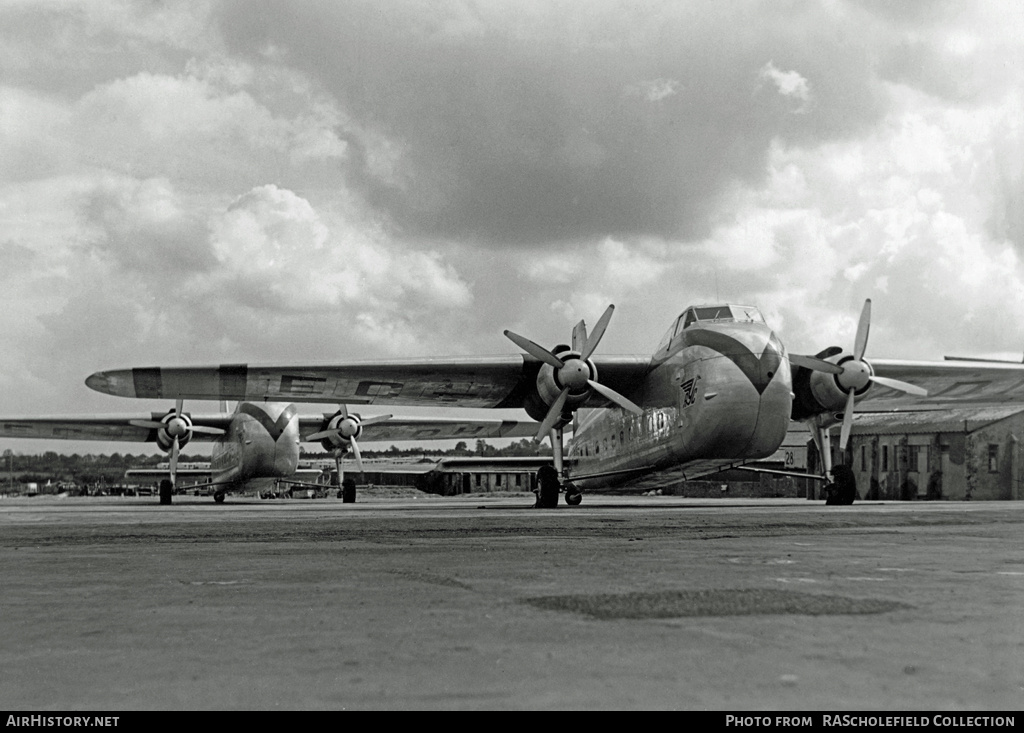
[205, 181]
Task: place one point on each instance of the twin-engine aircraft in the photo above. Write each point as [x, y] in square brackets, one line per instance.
[718, 391]
[259, 440]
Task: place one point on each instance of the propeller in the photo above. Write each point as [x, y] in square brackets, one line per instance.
[178, 427]
[348, 428]
[855, 374]
[574, 373]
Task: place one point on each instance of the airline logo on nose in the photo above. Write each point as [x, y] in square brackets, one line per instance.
[760, 370]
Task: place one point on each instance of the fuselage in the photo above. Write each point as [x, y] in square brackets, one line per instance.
[721, 390]
[262, 441]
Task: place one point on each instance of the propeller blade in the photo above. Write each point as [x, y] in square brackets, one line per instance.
[860, 344]
[206, 429]
[554, 412]
[615, 397]
[376, 419]
[595, 336]
[815, 364]
[152, 424]
[844, 433]
[356, 453]
[901, 386]
[535, 350]
[174, 462]
[579, 336]
[322, 434]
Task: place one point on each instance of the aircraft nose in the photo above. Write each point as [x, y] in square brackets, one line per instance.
[754, 349]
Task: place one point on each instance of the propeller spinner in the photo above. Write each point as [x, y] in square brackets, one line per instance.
[573, 373]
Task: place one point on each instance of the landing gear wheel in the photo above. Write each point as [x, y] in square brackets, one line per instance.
[548, 487]
[348, 491]
[573, 496]
[166, 491]
[219, 497]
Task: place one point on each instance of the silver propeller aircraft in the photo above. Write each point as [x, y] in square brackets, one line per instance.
[259, 440]
[718, 391]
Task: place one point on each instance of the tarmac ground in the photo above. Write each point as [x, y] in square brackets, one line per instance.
[481, 602]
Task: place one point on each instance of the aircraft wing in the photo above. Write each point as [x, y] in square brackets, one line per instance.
[99, 427]
[948, 383]
[423, 428]
[499, 382]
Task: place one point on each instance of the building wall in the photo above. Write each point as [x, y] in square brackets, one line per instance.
[1000, 478]
[452, 483]
[954, 466]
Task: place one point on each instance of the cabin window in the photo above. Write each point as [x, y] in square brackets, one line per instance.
[993, 459]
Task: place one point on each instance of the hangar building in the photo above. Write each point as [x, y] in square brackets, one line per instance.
[959, 454]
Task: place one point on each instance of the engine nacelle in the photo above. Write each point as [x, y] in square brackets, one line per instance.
[349, 427]
[551, 382]
[817, 392]
[174, 425]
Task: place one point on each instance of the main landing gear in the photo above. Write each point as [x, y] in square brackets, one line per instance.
[166, 491]
[348, 491]
[549, 483]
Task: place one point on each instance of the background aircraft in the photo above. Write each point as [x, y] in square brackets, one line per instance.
[259, 440]
[719, 390]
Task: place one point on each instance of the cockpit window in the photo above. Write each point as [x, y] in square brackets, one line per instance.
[746, 314]
[737, 313]
[714, 313]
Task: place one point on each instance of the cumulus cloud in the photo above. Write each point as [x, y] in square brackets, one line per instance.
[789, 84]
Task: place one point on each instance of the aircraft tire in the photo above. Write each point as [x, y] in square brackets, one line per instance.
[219, 497]
[573, 496]
[348, 491]
[547, 487]
[166, 491]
